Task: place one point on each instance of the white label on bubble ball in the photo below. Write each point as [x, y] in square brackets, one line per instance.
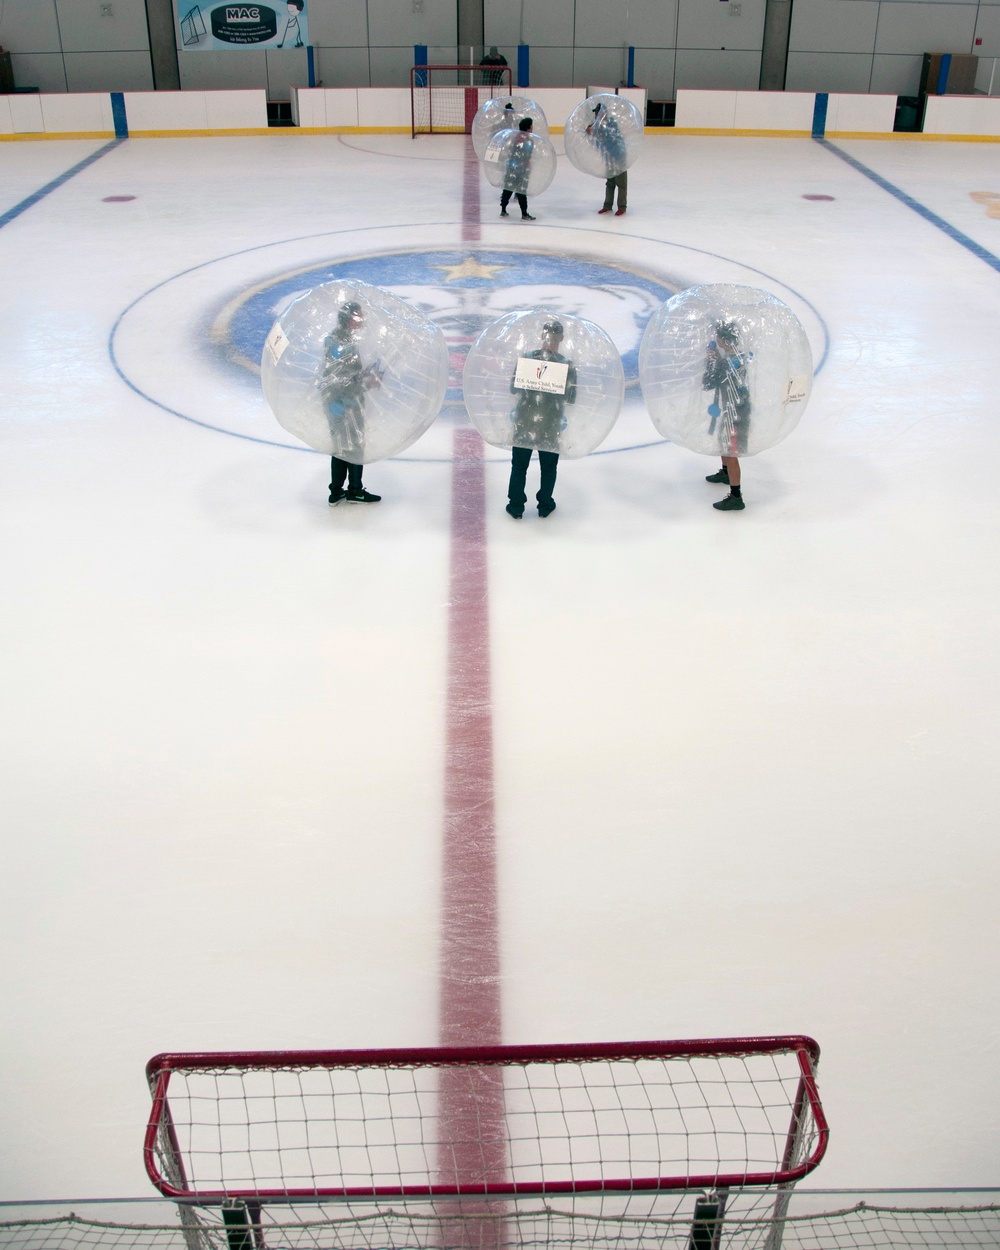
[276, 342]
[795, 391]
[540, 375]
[494, 148]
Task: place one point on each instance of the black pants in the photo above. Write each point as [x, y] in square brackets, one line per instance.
[520, 458]
[621, 182]
[341, 471]
[521, 199]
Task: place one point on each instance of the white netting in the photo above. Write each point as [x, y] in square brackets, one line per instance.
[439, 101]
[566, 1123]
[748, 1222]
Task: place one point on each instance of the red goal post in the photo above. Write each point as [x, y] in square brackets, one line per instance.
[445, 98]
[484, 1122]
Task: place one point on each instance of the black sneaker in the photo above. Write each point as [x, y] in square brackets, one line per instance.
[722, 476]
[546, 509]
[504, 213]
[527, 217]
[361, 496]
[731, 503]
[516, 513]
[336, 497]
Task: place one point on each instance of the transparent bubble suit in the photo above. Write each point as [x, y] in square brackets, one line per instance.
[615, 138]
[520, 161]
[494, 116]
[725, 369]
[358, 389]
[571, 422]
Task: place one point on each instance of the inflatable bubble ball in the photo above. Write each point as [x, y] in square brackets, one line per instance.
[520, 161]
[505, 113]
[725, 370]
[354, 371]
[604, 135]
[544, 380]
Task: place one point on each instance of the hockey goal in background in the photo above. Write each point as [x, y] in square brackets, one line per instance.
[484, 1122]
[445, 98]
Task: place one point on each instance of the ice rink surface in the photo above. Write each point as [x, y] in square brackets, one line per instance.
[745, 764]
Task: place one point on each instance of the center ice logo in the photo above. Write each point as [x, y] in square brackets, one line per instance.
[462, 291]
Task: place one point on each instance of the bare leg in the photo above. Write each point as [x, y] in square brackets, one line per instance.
[733, 502]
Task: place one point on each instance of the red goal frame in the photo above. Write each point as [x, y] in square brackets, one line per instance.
[804, 1146]
[499, 82]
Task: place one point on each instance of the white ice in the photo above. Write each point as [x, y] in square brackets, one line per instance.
[746, 763]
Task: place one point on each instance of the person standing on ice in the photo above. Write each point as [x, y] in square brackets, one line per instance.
[726, 375]
[518, 172]
[606, 133]
[343, 385]
[539, 418]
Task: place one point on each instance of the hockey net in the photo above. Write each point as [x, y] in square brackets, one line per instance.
[445, 98]
[484, 1122]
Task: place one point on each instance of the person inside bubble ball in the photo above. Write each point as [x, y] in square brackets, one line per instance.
[729, 411]
[606, 133]
[539, 418]
[518, 170]
[343, 384]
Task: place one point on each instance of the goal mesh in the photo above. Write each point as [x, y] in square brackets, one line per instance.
[859, 1227]
[445, 98]
[491, 1122]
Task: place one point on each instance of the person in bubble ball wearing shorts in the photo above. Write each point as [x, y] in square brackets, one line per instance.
[343, 385]
[539, 418]
[726, 375]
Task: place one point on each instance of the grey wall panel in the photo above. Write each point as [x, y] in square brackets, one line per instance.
[896, 75]
[551, 24]
[286, 68]
[828, 71]
[598, 65]
[738, 24]
[108, 71]
[833, 26]
[83, 29]
[393, 23]
[551, 67]
[988, 29]
[390, 67]
[914, 26]
[654, 70]
[501, 20]
[719, 71]
[44, 70]
[642, 23]
[213, 71]
[335, 25]
[342, 67]
[29, 26]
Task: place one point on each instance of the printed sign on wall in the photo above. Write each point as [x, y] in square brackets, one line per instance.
[232, 27]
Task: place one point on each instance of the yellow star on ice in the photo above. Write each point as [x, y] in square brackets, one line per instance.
[470, 268]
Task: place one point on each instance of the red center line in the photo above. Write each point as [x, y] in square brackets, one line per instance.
[473, 1136]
